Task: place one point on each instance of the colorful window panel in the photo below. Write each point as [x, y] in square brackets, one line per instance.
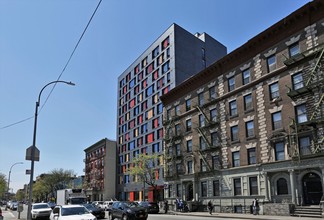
[144, 84]
[149, 114]
[150, 68]
[165, 43]
[160, 83]
[144, 62]
[137, 69]
[132, 103]
[155, 75]
[149, 138]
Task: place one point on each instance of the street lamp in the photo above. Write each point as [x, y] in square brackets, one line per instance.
[9, 176]
[33, 147]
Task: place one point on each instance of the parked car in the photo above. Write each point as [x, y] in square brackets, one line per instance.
[40, 210]
[13, 205]
[152, 207]
[51, 204]
[68, 212]
[98, 204]
[127, 210]
[98, 212]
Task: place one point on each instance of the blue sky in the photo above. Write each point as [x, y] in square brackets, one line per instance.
[37, 38]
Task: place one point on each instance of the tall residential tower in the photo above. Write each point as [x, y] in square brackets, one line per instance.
[174, 57]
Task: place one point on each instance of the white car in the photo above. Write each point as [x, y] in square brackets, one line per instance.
[71, 212]
[40, 210]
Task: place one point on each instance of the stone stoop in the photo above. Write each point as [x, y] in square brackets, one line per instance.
[308, 211]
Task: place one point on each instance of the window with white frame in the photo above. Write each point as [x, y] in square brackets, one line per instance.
[298, 81]
[274, 90]
[301, 113]
[249, 126]
[237, 186]
[231, 83]
[279, 148]
[276, 120]
[246, 75]
[271, 61]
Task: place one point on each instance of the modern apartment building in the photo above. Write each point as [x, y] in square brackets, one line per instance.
[251, 125]
[100, 170]
[174, 57]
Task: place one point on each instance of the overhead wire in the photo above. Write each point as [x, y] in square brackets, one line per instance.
[63, 70]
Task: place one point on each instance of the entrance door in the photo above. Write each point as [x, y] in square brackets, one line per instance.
[312, 188]
[190, 192]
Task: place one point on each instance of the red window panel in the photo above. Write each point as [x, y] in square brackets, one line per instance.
[150, 138]
[156, 174]
[144, 84]
[125, 90]
[140, 119]
[140, 76]
[156, 123]
[161, 132]
[121, 121]
[165, 90]
[132, 103]
[136, 70]
[124, 147]
[150, 68]
[165, 43]
[125, 108]
[126, 136]
[156, 75]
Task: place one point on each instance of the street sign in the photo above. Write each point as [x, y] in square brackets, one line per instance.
[28, 172]
[29, 153]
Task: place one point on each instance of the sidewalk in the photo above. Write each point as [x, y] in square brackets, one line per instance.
[242, 216]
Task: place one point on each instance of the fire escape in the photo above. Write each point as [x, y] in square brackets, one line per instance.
[312, 91]
[171, 138]
[212, 145]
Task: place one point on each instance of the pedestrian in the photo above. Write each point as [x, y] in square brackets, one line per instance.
[181, 205]
[166, 206]
[255, 206]
[210, 207]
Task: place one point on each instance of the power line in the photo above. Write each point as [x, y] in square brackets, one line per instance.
[63, 70]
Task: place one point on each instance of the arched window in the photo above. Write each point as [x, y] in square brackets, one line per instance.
[282, 187]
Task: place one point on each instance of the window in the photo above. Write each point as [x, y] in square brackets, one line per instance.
[216, 191]
[213, 115]
[233, 108]
[212, 93]
[297, 81]
[274, 90]
[294, 49]
[305, 146]
[188, 104]
[202, 143]
[231, 83]
[276, 120]
[178, 190]
[165, 67]
[234, 133]
[279, 151]
[201, 100]
[204, 189]
[177, 110]
[301, 113]
[248, 105]
[282, 186]
[149, 91]
[216, 163]
[271, 61]
[177, 148]
[236, 158]
[155, 52]
[237, 187]
[177, 129]
[249, 127]
[189, 165]
[188, 125]
[203, 166]
[165, 43]
[253, 181]
[251, 156]
[189, 146]
[246, 76]
[214, 139]
[179, 168]
[201, 120]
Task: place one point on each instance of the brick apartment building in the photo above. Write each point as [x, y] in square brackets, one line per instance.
[251, 124]
[100, 170]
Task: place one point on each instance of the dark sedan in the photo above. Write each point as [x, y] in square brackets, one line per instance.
[98, 212]
[127, 211]
[152, 207]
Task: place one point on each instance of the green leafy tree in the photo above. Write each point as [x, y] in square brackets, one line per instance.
[3, 185]
[20, 195]
[58, 179]
[144, 168]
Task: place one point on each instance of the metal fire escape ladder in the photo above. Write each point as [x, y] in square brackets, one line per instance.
[293, 140]
[203, 113]
[318, 108]
[208, 143]
[318, 57]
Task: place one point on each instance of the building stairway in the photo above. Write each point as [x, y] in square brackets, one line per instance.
[308, 211]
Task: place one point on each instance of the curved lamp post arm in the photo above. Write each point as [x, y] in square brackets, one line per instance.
[34, 145]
